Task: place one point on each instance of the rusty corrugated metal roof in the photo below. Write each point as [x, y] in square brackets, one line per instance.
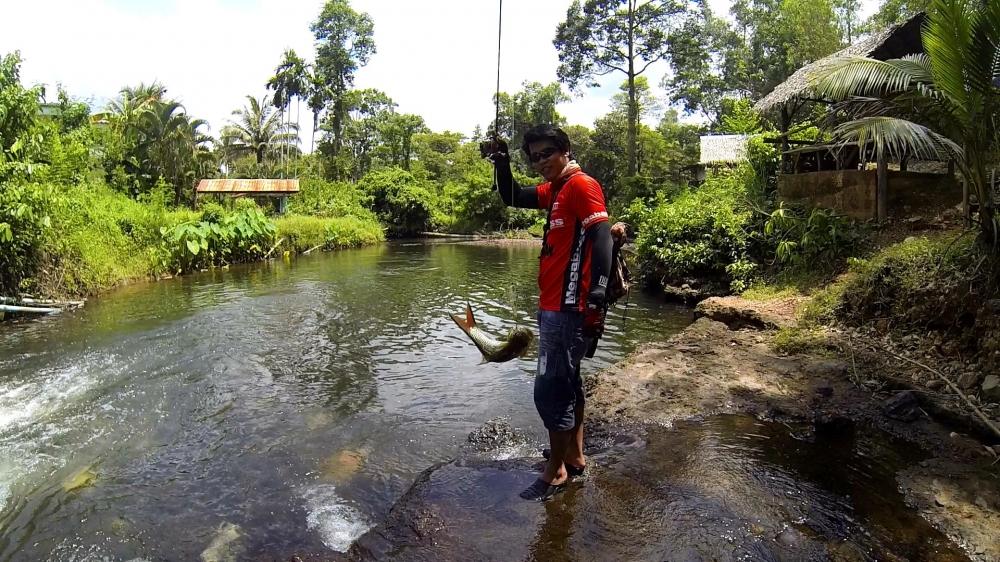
[248, 186]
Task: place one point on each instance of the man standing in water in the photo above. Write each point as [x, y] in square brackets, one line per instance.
[574, 268]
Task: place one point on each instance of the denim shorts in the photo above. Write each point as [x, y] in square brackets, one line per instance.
[558, 385]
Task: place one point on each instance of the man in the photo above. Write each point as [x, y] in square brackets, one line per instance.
[572, 278]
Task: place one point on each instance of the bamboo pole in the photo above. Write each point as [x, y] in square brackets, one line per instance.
[28, 309]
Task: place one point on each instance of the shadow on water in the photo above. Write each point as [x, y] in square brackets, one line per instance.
[727, 488]
[288, 404]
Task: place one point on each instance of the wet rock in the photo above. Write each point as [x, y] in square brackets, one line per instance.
[495, 434]
[903, 406]
[968, 380]
[225, 546]
[685, 294]
[991, 388]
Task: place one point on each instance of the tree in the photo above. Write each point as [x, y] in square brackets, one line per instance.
[847, 19]
[344, 42]
[604, 36]
[769, 40]
[535, 103]
[257, 131]
[360, 138]
[892, 12]
[941, 104]
[289, 82]
[396, 133]
[705, 64]
[18, 111]
[172, 147]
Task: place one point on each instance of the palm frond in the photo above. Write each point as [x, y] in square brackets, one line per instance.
[947, 39]
[844, 77]
[897, 137]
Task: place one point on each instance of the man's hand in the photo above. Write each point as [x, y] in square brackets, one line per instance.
[494, 149]
[618, 232]
[593, 321]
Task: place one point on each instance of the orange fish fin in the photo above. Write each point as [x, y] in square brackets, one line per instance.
[469, 318]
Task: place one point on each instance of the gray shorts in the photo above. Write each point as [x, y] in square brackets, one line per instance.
[558, 385]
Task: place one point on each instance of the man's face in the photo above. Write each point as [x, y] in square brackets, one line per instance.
[547, 159]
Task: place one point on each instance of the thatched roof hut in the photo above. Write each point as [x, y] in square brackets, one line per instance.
[893, 42]
[723, 149]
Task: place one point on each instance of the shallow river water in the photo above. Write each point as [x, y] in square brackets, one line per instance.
[287, 404]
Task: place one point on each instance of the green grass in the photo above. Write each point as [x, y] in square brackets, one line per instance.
[303, 232]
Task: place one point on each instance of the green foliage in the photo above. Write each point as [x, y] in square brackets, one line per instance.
[217, 239]
[25, 223]
[817, 238]
[302, 233]
[402, 203]
[936, 281]
[702, 233]
[330, 199]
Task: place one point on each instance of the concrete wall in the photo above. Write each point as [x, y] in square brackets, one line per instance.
[852, 192]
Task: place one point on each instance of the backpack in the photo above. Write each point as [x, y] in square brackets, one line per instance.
[621, 277]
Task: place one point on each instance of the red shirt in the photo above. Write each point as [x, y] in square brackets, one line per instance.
[564, 271]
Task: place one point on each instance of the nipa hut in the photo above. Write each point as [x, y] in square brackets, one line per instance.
[279, 189]
[841, 177]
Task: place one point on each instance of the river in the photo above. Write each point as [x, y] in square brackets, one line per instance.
[289, 404]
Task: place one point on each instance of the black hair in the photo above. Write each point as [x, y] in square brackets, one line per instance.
[546, 132]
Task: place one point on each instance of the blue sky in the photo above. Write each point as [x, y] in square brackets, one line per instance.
[436, 58]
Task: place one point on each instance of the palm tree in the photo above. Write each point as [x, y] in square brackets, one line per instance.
[942, 104]
[288, 83]
[172, 146]
[258, 130]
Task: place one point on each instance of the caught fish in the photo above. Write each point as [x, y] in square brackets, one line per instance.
[494, 351]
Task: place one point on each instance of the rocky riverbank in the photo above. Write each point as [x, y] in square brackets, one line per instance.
[711, 445]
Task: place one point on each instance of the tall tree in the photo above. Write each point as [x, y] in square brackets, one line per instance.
[344, 42]
[891, 12]
[396, 133]
[18, 111]
[848, 19]
[289, 83]
[535, 103]
[599, 37]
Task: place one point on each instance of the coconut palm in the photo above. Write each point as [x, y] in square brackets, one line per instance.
[289, 83]
[172, 147]
[942, 104]
[258, 130]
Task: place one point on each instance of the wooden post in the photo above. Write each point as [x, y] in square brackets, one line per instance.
[882, 187]
[965, 203]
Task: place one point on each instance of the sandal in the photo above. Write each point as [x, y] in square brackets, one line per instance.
[541, 490]
[575, 471]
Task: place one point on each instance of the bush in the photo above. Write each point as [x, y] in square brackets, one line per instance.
[817, 238]
[400, 201]
[929, 281]
[25, 221]
[217, 239]
[703, 233]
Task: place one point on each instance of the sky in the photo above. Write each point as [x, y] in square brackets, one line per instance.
[435, 58]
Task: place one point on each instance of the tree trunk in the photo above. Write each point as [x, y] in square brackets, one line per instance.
[630, 149]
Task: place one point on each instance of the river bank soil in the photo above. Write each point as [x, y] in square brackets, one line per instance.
[712, 446]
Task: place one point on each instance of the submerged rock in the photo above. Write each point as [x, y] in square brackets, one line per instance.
[225, 545]
[80, 479]
[496, 434]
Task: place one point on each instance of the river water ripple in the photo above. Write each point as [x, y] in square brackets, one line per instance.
[269, 408]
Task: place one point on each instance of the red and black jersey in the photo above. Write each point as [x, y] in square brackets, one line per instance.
[564, 271]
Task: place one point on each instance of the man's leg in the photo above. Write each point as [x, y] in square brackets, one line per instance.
[561, 443]
[574, 452]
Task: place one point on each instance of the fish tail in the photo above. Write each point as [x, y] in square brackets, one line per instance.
[468, 322]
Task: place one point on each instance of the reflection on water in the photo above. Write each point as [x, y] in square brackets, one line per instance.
[728, 488]
[217, 401]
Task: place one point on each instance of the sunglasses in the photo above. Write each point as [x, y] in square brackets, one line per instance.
[537, 157]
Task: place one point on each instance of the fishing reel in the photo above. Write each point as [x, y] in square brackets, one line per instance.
[492, 148]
